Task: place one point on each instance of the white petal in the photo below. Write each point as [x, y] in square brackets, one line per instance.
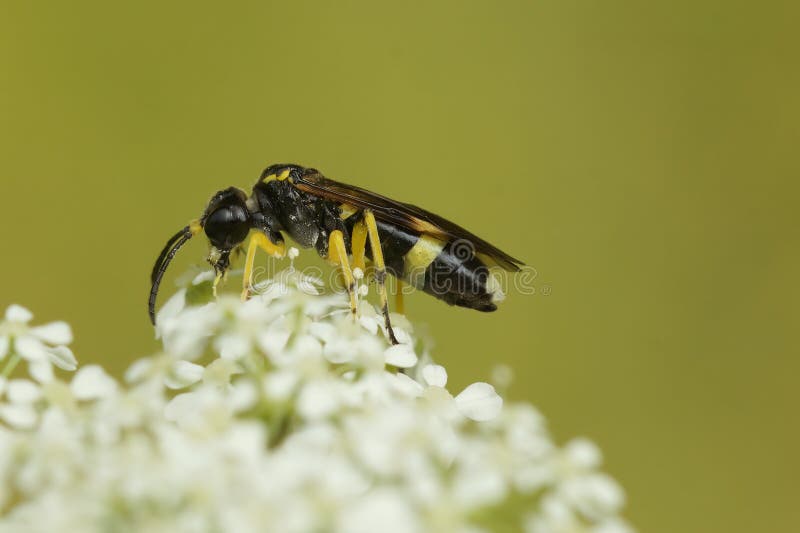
[435, 375]
[63, 358]
[202, 277]
[369, 323]
[4, 344]
[401, 356]
[41, 371]
[583, 453]
[19, 416]
[594, 495]
[339, 350]
[53, 333]
[3, 385]
[183, 374]
[232, 346]
[479, 402]
[402, 336]
[406, 385]
[169, 310]
[181, 406]
[31, 348]
[23, 391]
[272, 342]
[381, 509]
[138, 370]
[279, 385]
[479, 487]
[17, 313]
[318, 399]
[219, 372]
[324, 331]
[243, 396]
[91, 382]
[306, 346]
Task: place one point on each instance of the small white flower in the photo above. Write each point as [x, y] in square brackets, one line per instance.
[41, 371]
[54, 333]
[17, 313]
[23, 391]
[219, 372]
[582, 454]
[478, 401]
[279, 385]
[20, 411]
[401, 356]
[594, 495]
[319, 399]
[384, 510]
[91, 382]
[22, 416]
[40, 346]
[435, 375]
[183, 374]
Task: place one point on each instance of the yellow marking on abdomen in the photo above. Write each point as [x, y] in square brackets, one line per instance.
[419, 257]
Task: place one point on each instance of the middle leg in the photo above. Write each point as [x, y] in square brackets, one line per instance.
[380, 270]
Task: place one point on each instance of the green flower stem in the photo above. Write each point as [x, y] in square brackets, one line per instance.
[10, 365]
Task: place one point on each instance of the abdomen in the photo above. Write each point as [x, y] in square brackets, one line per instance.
[447, 270]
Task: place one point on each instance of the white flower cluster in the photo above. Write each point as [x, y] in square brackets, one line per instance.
[278, 414]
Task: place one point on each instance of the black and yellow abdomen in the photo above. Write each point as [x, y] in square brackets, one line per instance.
[447, 270]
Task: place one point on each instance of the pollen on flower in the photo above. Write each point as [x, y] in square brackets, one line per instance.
[281, 413]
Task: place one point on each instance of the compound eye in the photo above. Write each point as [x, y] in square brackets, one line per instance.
[227, 226]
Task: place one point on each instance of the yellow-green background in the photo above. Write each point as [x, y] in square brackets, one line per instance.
[642, 156]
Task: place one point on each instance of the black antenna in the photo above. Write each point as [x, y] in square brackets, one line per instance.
[170, 249]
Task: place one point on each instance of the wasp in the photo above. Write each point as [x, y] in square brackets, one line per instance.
[346, 225]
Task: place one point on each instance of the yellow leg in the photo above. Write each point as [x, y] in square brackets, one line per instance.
[217, 279]
[380, 270]
[258, 240]
[399, 303]
[359, 245]
[337, 252]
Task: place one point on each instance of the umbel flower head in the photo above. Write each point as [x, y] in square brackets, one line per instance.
[280, 414]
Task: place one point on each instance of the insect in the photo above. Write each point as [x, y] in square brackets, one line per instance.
[342, 221]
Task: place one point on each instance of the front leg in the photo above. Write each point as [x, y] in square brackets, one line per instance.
[337, 252]
[258, 240]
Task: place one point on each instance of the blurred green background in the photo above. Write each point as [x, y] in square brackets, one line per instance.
[641, 156]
